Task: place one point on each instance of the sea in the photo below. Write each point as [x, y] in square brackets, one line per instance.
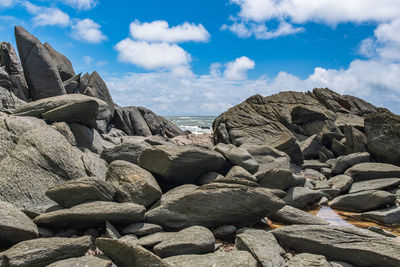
[194, 124]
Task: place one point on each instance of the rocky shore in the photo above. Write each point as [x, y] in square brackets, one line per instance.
[84, 182]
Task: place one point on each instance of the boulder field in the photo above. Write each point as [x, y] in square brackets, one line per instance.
[85, 182]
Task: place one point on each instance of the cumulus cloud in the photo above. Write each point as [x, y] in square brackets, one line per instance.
[6, 3]
[81, 4]
[159, 30]
[237, 70]
[47, 16]
[87, 30]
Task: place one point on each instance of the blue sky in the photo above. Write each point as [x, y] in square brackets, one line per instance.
[201, 57]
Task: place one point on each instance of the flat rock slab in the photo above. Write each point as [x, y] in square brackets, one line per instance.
[363, 201]
[348, 244]
[389, 216]
[43, 251]
[279, 179]
[126, 254]
[15, 226]
[181, 164]
[142, 229]
[192, 240]
[85, 261]
[128, 151]
[301, 197]
[262, 245]
[342, 163]
[220, 259]
[290, 215]
[79, 191]
[372, 170]
[377, 184]
[219, 206]
[92, 213]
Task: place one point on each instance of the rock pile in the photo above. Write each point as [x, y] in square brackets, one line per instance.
[84, 182]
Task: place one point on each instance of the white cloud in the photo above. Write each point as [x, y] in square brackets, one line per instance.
[88, 31]
[6, 3]
[237, 69]
[47, 16]
[159, 30]
[81, 4]
[88, 60]
[152, 55]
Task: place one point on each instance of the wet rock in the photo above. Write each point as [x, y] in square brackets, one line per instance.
[290, 215]
[363, 201]
[301, 197]
[389, 216]
[79, 191]
[142, 229]
[279, 179]
[378, 184]
[238, 156]
[84, 261]
[344, 162]
[372, 170]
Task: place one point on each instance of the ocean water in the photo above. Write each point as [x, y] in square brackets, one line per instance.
[195, 124]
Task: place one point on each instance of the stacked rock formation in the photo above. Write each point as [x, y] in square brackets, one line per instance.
[84, 182]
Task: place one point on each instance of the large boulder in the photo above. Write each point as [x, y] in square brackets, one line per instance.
[97, 88]
[301, 197]
[383, 133]
[378, 184]
[63, 64]
[130, 120]
[348, 244]
[363, 201]
[342, 163]
[372, 170]
[228, 205]
[129, 150]
[388, 216]
[279, 179]
[290, 215]
[40, 71]
[181, 164]
[237, 156]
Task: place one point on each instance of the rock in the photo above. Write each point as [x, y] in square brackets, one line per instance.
[326, 172]
[378, 184]
[327, 152]
[98, 89]
[8, 101]
[356, 141]
[228, 206]
[175, 194]
[341, 182]
[93, 213]
[63, 128]
[314, 164]
[126, 254]
[224, 231]
[220, 259]
[313, 175]
[381, 231]
[142, 229]
[349, 244]
[301, 197]
[84, 261]
[15, 226]
[382, 131]
[44, 251]
[130, 239]
[154, 239]
[111, 231]
[236, 180]
[363, 201]
[238, 156]
[40, 72]
[307, 259]
[287, 144]
[179, 164]
[290, 215]
[128, 151]
[306, 114]
[344, 162]
[279, 179]
[79, 191]
[239, 172]
[129, 120]
[389, 216]
[72, 84]
[94, 165]
[262, 245]
[372, 170]
[64, 66]
[133, 183]
[88, 138]
[192, 240]
[311, 146]
[209, 177]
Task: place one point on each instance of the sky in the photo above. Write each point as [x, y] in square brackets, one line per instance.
[201, 57]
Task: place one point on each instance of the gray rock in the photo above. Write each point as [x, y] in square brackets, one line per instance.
[79, 191]
[381, 231]
[127, 151]
[326, 172]
[239, 172]
[43, 251]
[341, 182]
[389, 216]
[181, 164]
[111, 231]
[98, 89]
[72, 84]
[87, 138]
[322, 158]
[126, 254]
[307, 259]
[84, 261]
[238, 156]
[15, 226]
[40, 72]
[64, 66]
[338, 148]
[142, 229]
[305, 114]
[356, 141]
[290, 215]
[220, 259]
[228, 206]
[92, 213]
[329, 154]
[192, 240]
[94, 165]
[154, 239]
[279, 179]
[133, 183]
[377, 184]
[262, 245]
[175, 194]
[314, 164]
[63, 128]
[372, 170]
[8, 101]
[224, 231]
[349, 244]
[363, 201]
[344, 162]
[209, 177]
[301, 197]
[130, 239]
[129, 120]
[311, 147]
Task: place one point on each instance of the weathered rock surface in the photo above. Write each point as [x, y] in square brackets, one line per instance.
[15, 226]
[97, 88]
[389, 216]
[181, 164]
[79, 191]
[238, 156]
[262, 245]
[154, 239]
[228, 205]
[372, 170]
[142, 229]
[239, 172]
[159, 125]
[91, 214]
[290, 215]
[344, 162]
[85, 261]
[192, 240]
[349, 244]
[133, 183]
[279, 179]
[311, 146]
[63, 64]
[363, 201]
[307, 259]
[129, 120]
[129, 150]
[43, 251]
[40, 72]
[301, 197]
[378, 184]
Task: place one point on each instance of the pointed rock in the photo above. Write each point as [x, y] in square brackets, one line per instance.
[62, 63]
